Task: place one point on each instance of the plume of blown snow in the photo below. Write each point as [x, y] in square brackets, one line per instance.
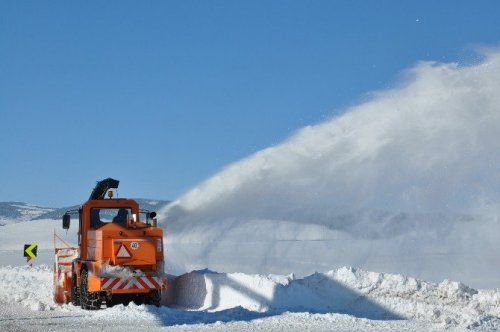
[420, 157]
[430, 145]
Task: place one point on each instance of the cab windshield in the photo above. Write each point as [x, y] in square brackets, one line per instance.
[101, 216]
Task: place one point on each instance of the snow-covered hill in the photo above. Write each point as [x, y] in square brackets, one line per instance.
[12, 212]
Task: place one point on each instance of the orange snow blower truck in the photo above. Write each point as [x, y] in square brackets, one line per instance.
[119, 257]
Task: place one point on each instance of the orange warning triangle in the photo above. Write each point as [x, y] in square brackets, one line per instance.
[123, 252]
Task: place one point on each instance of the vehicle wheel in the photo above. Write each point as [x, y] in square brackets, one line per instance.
[75, 291]
[139, 299]
[154, 298]
[88, 300]
[110, 301]
[114, 299]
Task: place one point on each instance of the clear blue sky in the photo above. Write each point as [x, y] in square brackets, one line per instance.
[163, 94]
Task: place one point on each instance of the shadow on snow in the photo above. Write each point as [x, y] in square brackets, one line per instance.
[201, 297]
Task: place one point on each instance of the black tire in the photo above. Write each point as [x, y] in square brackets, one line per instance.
[154, 298]
[110, 301]
[139, 299]
[75, 291]
[116, 299]
[88, 300]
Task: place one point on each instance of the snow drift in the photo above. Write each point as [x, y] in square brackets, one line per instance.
[408, 180]
[237, 296]
[346, 290]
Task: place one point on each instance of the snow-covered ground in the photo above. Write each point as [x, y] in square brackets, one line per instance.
[343, 299]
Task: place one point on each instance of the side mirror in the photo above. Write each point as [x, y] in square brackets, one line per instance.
[66, 221]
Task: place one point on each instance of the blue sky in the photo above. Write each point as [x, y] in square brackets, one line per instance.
[163, 94]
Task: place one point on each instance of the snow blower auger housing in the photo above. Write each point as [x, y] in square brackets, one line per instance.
[119, 257]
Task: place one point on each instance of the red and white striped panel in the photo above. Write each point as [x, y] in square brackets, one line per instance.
[132, 283]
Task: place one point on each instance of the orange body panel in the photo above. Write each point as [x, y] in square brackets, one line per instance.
[62, 273]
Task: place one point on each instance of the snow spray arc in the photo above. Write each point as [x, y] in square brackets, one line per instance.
[417, 164]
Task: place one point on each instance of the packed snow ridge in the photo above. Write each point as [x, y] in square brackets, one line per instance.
[345, 290]
[349, 291]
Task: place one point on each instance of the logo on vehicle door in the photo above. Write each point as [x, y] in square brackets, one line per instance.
[134, 245]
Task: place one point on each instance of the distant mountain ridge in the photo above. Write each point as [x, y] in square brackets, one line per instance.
[20, 211]
[13, 212]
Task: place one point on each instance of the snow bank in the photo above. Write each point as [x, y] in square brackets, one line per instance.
[30, 287]
[345, 290]
[348, 291]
